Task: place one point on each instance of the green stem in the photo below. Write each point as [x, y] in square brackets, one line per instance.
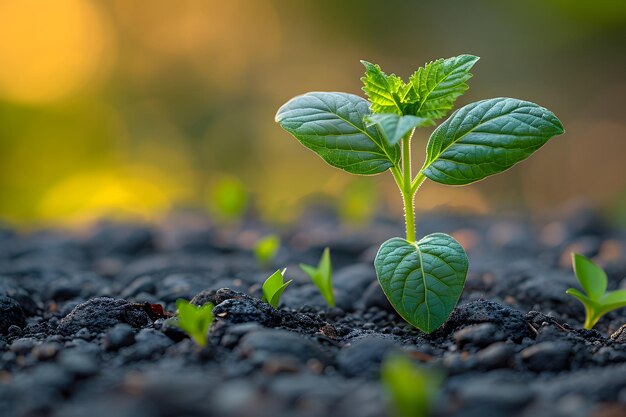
[407, 190]
[591, 318]
[409, 216]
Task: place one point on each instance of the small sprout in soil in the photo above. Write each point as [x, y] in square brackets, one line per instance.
[228, 198]
[322, 276]
[274, 286]
[423, 279]
[596, 299]
[411, 389]
[266, 248]
[194, 320]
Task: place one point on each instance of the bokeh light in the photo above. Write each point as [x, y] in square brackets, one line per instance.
[50, 49]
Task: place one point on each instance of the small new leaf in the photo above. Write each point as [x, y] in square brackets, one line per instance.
[228, 198]
[266, 248]
[322, 276]
[387, 93]
[273, 288]
[194, 320]
[596, 300]
[412, 389]
[393, 127]
[439, 83]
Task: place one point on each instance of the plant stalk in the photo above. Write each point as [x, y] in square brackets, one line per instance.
[591, 318]
[408, 195]
[409, 216]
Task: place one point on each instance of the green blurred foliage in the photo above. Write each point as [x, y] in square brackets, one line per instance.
[358, 202]
[617, 211]
[266, 249]
[412, 389]
[228, 198]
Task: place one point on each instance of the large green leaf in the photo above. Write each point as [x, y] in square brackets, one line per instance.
[487, 137]
[386, 92]
[331, 125]
[393, 127]
[422, 280]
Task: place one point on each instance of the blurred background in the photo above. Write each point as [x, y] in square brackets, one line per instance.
[131, 109]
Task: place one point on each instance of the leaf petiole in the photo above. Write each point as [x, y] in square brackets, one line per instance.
[417, 181]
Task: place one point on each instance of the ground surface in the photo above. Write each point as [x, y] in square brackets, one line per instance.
[512, 348]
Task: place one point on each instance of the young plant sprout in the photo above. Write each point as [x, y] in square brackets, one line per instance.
[596, 299]
[274, 286]
[423, 279]
[194, 320]
[322, 276]
[411, 389]
[266, 248]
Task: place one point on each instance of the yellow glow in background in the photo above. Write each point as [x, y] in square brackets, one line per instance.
[132, 109]
[50, 49]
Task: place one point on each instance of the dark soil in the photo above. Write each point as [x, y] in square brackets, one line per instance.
[81, 333]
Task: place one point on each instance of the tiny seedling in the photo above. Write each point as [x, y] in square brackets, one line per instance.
[266, 248]
[194, 320]
[423, 279]
[274, 286]
[322, 276]
[596, 299]
[411, 389]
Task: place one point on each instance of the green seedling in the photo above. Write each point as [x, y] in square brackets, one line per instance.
[274, 286]
[596, 299]
[322, 276]
[423, 279]
[228, 198]
[194, 320]
[411, 389]
[266, 248]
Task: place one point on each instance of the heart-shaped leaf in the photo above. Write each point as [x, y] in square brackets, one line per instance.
[331, 125]
[394, 127]
[422, 280]
[487, 137]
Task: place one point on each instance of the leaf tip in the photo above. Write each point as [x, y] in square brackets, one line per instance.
[559, 127]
